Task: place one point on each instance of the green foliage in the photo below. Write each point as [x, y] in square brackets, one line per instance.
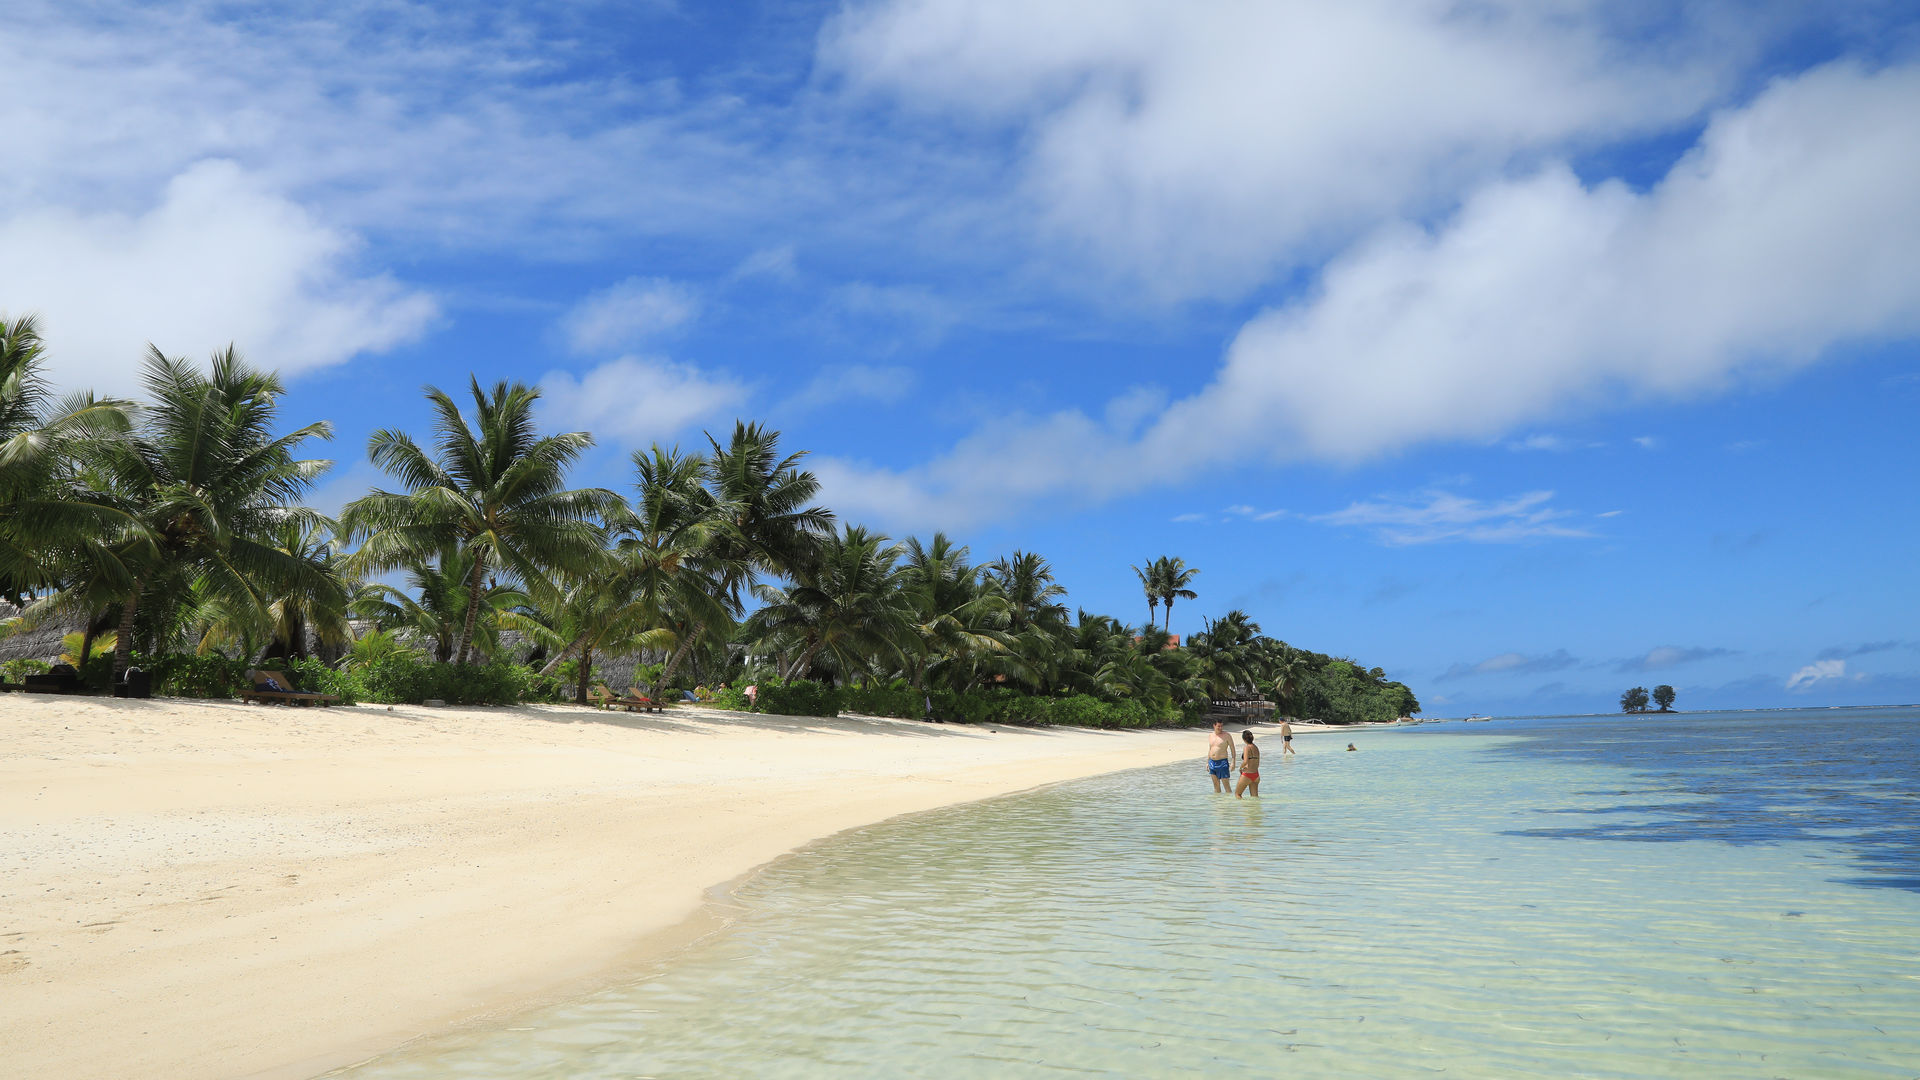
[399, 681]
[730, 697]
[797, 698]
[396, 679]
[1663, 696]
[212, 675]
[1005, 706]
[377, 646]
[14, 671]
[206, 676]
[1339, 692]
[1634, 700]
[895, 699]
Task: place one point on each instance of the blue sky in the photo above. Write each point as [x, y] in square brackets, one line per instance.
[1528, 350]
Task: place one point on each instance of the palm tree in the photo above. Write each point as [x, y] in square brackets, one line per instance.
[956, 619]
[596, 609]
[763, 519]
[435, 608]
[206, 488]
[1036, 613]
[846, 603]
[1174, 577]
[679, 572]
[292, 614]
[43, 523]
[496, 492]
[1150, 585]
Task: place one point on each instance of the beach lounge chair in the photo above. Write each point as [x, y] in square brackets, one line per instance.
[277, 686]
[60, 679]
[635, 701]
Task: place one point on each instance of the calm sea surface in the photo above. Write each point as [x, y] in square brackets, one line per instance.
[1702, 895]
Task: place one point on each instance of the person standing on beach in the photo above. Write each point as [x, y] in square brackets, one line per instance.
[1220, 758]
[1249, 768]
[1286, 738]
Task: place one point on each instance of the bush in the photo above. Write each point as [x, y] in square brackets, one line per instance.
[14, 671]
[897, 700]
[800, 697]
[397, 679]
[187, 675]
[730, 697]
[410, 682]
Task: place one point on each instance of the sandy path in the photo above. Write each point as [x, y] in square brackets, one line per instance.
[203, 890]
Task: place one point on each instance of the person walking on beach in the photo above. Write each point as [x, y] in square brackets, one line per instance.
[1220, 757]
[1286, 738]
[1249, 768]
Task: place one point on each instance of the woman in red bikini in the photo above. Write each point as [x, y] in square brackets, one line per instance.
[1249, 768]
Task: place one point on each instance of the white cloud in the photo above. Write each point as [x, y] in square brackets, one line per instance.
[1609, 513]
[1189, 519]
[1512, 663]
[219, 259]
[635, 400]
[774, 262]
[1446, 516]
[1818, 672]
[1199, 146]
[1790, 227]
[1668, 656]
[1549, 443]
[854, 382]
[1646, 442]
[1787, 230]
[624, 315]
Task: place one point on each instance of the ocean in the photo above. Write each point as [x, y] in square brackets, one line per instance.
[1691, 895]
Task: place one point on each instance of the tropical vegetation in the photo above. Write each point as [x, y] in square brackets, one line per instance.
[174, 534]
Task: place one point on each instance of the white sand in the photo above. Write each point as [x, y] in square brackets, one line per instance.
[208, 889]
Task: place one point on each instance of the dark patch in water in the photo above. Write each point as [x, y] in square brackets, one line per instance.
[1846, 778]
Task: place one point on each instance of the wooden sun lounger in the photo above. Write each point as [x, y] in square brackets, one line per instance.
[259, 692]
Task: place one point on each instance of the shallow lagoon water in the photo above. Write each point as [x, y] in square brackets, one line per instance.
[1703, 895]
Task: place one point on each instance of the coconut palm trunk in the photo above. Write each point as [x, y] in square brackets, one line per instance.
[123, 644]
[560, 657]
[800, 665]
[473, 606]
[673, 662]
[586, 676]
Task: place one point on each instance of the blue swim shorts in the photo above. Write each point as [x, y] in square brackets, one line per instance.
[1219, 767]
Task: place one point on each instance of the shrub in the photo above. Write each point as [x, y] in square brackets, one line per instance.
[17, 670]
[403, 681]
[730, 697]
[801, 697]
[896, 700]
[188, 675]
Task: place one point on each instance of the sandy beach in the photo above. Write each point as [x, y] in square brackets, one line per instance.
[202, 889]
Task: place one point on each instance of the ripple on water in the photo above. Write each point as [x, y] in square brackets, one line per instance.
[1421, 907]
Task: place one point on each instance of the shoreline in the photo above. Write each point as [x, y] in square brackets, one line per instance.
[274, 892]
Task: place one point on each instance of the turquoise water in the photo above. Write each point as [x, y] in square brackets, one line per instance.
[1710, 895]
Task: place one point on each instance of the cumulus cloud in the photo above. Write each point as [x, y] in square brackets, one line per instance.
[635, 400]
[1198, 146]
[1820, 671]
[624, 315]
[220, 259]
[1441, 515]
[1788, 229]
[854, 382]
[1849, 652]
[1667, 656]
[1512, 663]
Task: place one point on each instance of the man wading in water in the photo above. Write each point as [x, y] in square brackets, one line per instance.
[1220, 758]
